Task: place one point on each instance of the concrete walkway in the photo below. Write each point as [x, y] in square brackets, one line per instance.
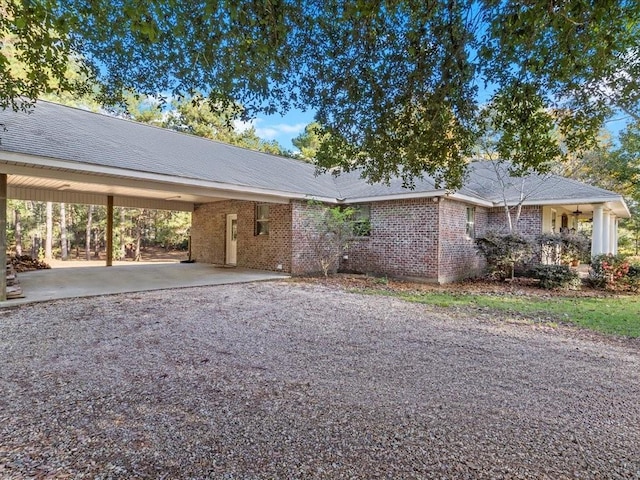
[57, 283]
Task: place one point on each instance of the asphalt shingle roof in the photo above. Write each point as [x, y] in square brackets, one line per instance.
[486, 182]
[75, 135]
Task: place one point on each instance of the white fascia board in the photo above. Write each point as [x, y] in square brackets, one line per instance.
[88, 170]
[414, 195]
[473, 200]
[578, 201]
[391, 197]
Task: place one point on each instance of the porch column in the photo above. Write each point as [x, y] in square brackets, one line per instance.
[596, 235]
[614, 234]
[109, 230]
[3, 236]
[606, 233]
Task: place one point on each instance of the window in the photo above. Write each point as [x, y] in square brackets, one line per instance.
[362, 221]
[262, 219]
[554, 221]
[471, 222]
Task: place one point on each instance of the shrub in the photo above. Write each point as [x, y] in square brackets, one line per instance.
[556, 276]
[329, 230]
[610, 272]
[504, 252]
[633, 275]
[558, 248]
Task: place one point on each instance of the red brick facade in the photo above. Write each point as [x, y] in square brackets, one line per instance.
[264, 252]
[416, 238]
[403, 240]
[458, 257]
[529, 224]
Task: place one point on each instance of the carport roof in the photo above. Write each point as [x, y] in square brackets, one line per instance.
[153, 162]
[92, 139]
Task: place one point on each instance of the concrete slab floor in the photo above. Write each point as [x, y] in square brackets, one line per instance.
[58, 283]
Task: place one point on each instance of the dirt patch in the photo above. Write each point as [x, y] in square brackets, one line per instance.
[519, 286]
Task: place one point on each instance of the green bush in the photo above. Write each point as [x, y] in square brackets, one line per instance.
[556, 276]
[504, 252]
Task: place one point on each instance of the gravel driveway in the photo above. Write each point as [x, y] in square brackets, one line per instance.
[294, 380]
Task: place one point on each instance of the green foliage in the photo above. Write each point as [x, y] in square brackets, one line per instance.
[504, 252]
[394, 84]
[633, 274]
[611, 272]
[556, 276]
[158, 227]
[329, 231]
[558, 248]
[198, 116]
[309, 141]
[143, 109]
[611, 315]
[519, 130]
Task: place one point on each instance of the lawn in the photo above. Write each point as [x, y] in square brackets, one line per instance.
[619, 315]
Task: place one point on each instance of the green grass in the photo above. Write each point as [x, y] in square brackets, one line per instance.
[611, 315]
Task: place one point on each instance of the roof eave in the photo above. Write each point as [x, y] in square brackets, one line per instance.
[417, 195]
[21, 163]
[616, 203]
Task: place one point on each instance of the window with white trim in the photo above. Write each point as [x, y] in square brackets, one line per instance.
[471, 222]
[362, 221]
[262, 219]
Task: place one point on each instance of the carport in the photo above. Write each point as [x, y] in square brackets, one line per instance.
[61, 154]
[74, 282]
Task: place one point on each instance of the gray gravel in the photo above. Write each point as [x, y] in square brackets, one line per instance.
[287, 380]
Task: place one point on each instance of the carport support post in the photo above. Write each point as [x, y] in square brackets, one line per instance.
[109, 230]
[3, 236]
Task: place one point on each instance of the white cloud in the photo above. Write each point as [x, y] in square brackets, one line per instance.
[241, 126]
[273, 131]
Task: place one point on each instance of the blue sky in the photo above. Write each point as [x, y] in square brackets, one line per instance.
[282, 128]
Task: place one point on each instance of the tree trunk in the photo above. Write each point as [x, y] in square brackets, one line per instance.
[96, 243]
[48, 245]
[508, 217]
[87, 242]
[123, 220]
[138, 239]
[18, 230]
[64, 249]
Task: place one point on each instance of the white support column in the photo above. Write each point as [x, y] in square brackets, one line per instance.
[614, 234]
[596, 235]
[606, 233]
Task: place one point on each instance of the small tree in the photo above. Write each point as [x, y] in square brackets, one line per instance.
[504, 252]
[329, 231]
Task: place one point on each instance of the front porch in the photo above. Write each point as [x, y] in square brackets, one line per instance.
[598, 221]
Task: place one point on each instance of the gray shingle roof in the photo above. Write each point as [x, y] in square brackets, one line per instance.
[65, 133]
[75, 135]
[495, 186]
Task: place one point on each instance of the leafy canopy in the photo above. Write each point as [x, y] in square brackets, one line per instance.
[395, 84]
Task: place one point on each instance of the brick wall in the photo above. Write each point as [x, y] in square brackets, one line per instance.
[458, 255]
[264, 252]
[409, 238]
[304, 253]
[403, 241]
[529, 225]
